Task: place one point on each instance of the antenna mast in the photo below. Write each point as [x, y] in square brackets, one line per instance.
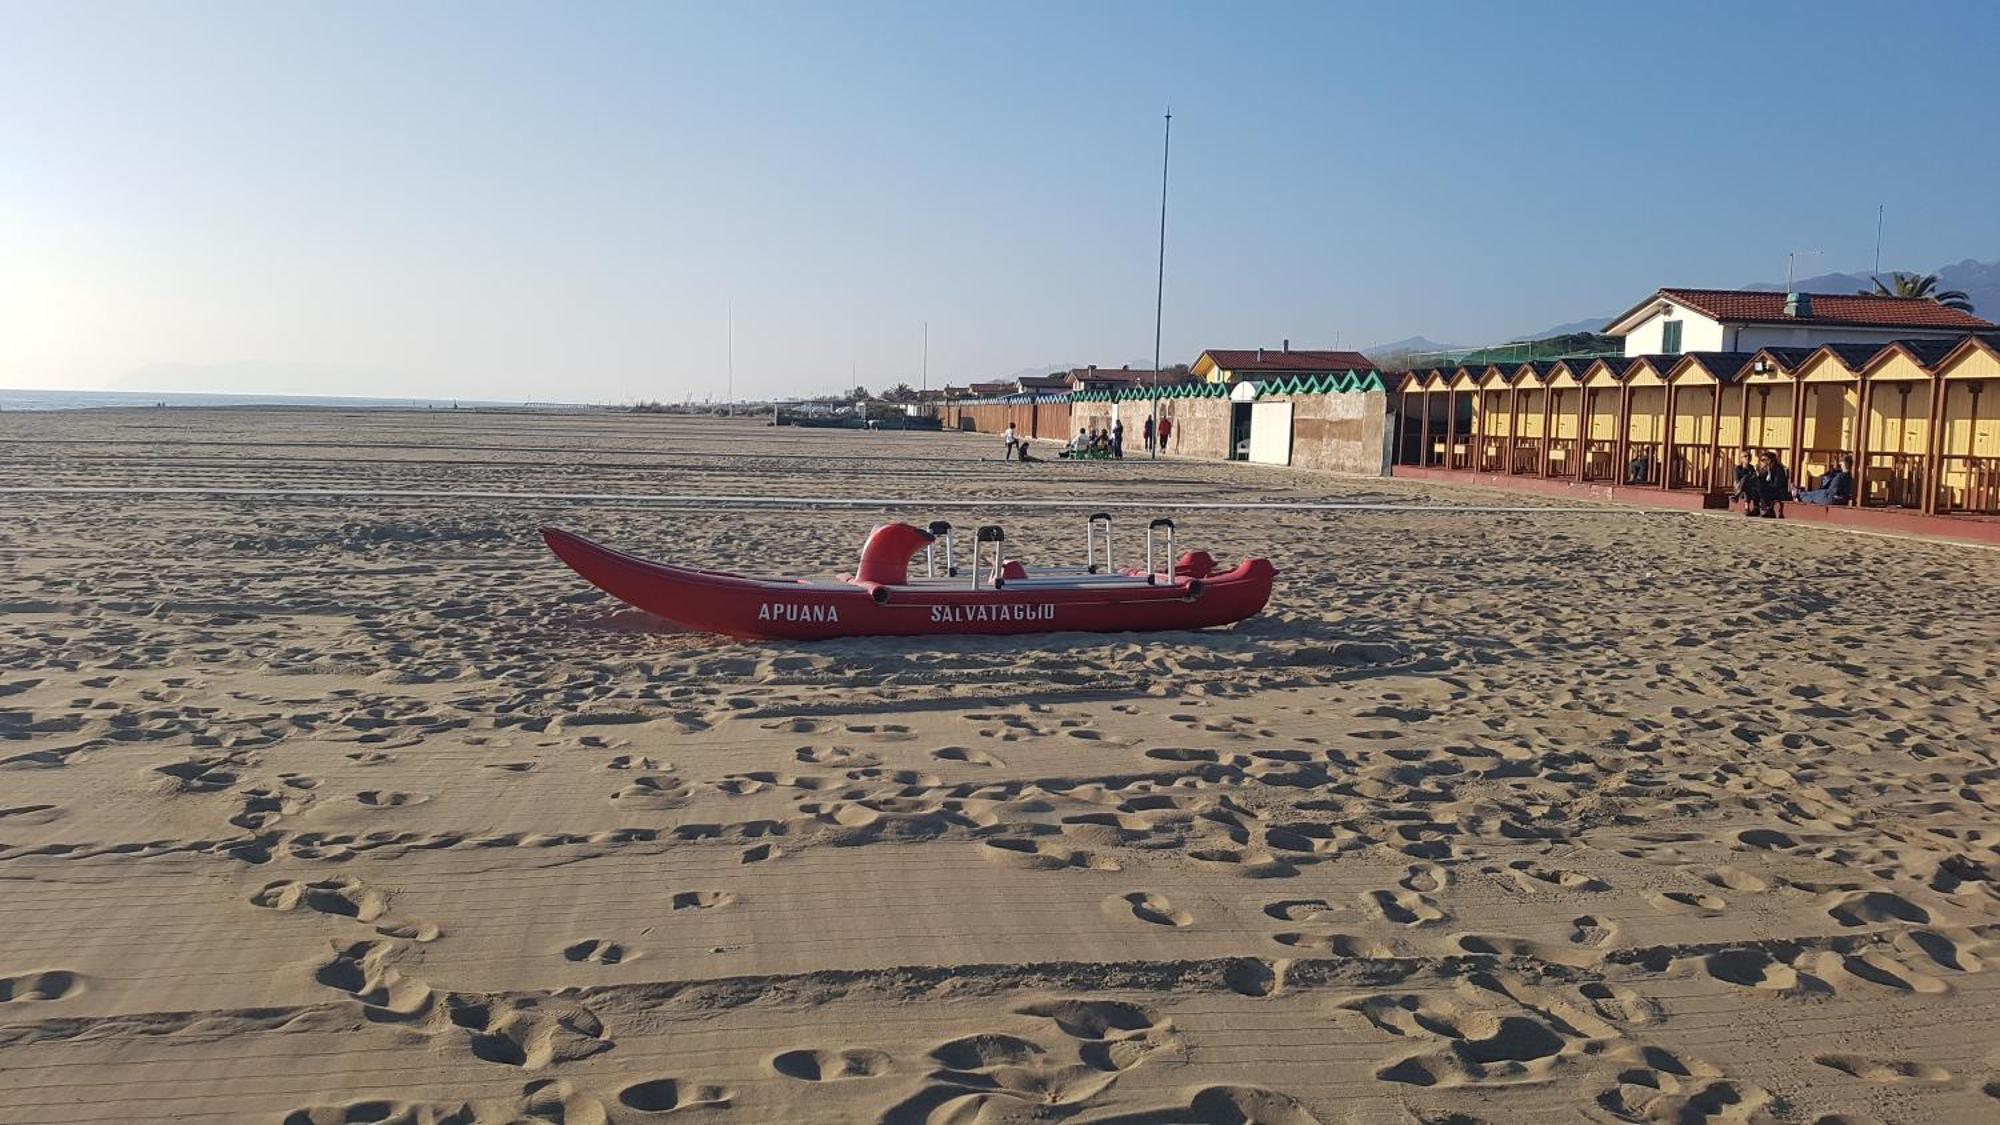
[1160, 282]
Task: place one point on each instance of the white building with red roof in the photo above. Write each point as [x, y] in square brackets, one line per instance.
[1674, 321]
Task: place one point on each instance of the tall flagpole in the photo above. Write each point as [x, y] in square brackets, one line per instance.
[732, 360]
[927, 361]
[1160, 283]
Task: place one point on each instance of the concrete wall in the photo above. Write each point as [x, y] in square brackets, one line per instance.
[1343, 433]
[1201, 427]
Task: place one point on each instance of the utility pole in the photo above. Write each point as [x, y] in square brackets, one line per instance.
[1160, 282]
[1878, 238]
[926, 377]
[731, 333]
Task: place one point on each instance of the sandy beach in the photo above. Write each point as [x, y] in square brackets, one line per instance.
[328, 795]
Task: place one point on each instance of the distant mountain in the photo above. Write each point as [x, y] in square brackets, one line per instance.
[1031, 372]
[1407, 345]
[1588, 324]
[1979, 281]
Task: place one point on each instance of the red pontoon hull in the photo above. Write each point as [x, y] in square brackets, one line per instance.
[777, 609]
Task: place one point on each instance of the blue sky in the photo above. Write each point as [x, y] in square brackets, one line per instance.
[552, 201]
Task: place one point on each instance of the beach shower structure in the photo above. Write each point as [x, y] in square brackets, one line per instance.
[992, 594]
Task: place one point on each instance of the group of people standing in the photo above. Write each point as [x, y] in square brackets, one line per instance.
[1762, 484]
[1090, 442]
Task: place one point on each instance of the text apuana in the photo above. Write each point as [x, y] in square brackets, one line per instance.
[790, 611]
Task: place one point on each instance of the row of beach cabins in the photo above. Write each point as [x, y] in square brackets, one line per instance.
[1315, 409]
[1920, 419]
[1907, 388]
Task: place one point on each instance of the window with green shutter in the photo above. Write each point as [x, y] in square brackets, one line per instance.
[1670, 338]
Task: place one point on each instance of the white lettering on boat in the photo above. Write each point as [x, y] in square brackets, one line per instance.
[1009, 611]
[790, 611]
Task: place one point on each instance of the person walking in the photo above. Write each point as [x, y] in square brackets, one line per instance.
[1149, 435]
[1118, 439]
[1166, 433]
[1013, 440]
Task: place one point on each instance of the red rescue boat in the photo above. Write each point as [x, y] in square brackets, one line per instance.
[883, 599]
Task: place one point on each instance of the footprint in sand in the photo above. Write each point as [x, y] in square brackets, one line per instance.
[881, 732]
[39, 988]
[1687, 902]
[634, 762]
[831, 1066]
[1862, 908]
[596, 951]
[1425, 878]
[1754, 968]
[389, 798]
[25, 815]
[1877, 968]
[1479, 1047]
[1621, 1005]
[1885, 1070]
[1404, 908]
[1256, 976]
[1148, 906]
[1250, 864]
[702, 900]
[967, 755]
[1590, 930]
[1041, 855]
[1336, 945]
[1301, 910]
[655, 791]
[343, 897]
[1535, 878]
[836, 756]
[665, 1095]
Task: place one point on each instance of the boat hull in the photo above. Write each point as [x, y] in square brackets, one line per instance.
[775, 609]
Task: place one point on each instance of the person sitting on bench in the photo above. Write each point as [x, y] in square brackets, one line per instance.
[1771, 487]
[1746, 476]
[1836, 485]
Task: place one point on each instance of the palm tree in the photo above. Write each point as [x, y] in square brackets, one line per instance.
[1923, 286]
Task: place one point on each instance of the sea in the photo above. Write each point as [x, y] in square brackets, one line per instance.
[97, 400]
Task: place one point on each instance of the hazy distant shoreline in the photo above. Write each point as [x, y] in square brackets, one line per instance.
[31, 400]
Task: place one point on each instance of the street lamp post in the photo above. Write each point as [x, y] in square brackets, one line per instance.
[1160, 282]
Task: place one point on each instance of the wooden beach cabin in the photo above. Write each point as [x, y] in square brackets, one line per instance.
[1562, 416]
[1898, 389]
[1599, 412]
[1827, 408]
[1966, 466]
[1699, 394]
[1644, 424]
[1493, 419]
[1528, 403]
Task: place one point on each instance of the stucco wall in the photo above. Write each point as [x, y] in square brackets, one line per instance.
[1753, 336]
[1698, 333]
[1343, 433]
[1201, 427]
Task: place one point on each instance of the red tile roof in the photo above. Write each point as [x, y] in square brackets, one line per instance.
[1277, 360]
[1850, 309]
